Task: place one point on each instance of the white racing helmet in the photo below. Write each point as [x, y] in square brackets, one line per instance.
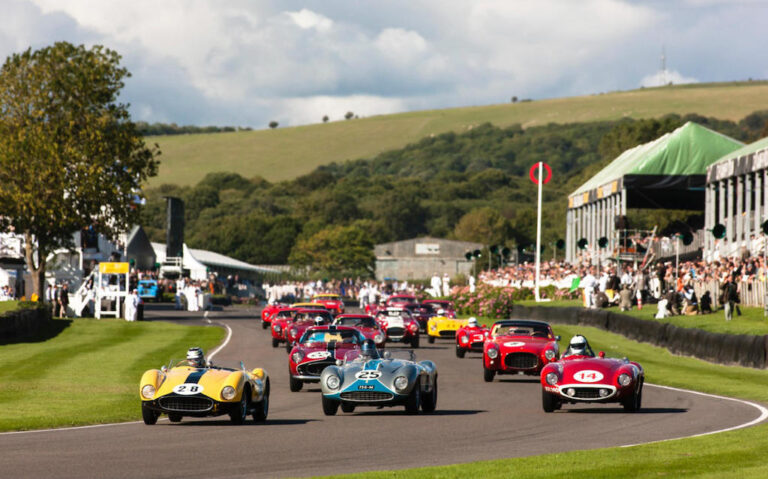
[196, 357]
[472, 322]
[319, 321]
[441, 312]
[578, 345]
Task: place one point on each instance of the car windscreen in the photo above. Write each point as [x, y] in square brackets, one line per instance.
[535, 331]
[310, 316]
[360, 322]
[340, 336]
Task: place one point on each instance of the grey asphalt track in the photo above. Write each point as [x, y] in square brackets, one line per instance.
[474, 421]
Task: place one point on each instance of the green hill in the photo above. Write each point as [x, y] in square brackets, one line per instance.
[286, 153]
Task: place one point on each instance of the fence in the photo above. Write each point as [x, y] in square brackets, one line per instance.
[751, 293]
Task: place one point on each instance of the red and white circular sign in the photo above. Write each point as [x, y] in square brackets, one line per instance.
[534, 173]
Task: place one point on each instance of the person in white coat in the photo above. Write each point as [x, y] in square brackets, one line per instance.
[471, 284]
[446, 285]
[131, 306]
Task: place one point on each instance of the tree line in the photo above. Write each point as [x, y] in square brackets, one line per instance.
[158, 129]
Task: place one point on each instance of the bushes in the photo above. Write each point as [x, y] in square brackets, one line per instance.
[496, 302]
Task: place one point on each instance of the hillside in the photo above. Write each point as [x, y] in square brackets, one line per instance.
[286, 153]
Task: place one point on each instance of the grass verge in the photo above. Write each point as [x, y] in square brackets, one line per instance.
[88, 373]
[733, 454]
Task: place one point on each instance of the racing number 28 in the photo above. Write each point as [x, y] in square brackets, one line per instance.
[192, 389]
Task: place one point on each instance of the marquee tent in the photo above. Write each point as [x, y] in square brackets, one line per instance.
[669, 172]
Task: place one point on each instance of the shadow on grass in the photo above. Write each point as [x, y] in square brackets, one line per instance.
[50, 330]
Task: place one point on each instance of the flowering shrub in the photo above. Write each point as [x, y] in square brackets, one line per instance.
[494, 302]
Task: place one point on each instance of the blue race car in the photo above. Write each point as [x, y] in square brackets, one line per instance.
[149, 290]
[366, 378]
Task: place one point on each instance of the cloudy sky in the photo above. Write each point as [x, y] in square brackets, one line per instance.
[246, 62]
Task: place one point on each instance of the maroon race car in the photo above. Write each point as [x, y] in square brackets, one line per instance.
[435, 305]
[269, 311]
[399, 300]
[399, 326]
[302, 320]
[471, 338]
[518, 347]
[580, 377]
[364, 323]
[318, 347]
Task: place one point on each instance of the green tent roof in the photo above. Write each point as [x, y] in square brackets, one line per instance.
[746, 150]
[689, 150]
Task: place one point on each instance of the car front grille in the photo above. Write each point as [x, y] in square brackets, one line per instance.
[447, 334]
[477, 345]
[366, 396]
[186, 403]
[314, 368]
[395, 332]
[521, 360]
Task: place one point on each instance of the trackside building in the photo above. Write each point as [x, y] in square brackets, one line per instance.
[422, 258]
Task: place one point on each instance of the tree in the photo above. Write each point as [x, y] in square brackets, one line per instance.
[325, 118]
[70, 156]
[514, 99]
[338, 251]
[482, 225]
[349, 115]
[273, 124]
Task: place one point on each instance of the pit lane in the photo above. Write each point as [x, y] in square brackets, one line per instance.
[474, 421]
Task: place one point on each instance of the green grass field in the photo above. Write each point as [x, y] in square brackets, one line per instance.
[8, 306]
[89, 373]
[285, 153]
[736, 454]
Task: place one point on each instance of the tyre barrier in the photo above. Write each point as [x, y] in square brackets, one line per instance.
[729, 349]
[23, 323]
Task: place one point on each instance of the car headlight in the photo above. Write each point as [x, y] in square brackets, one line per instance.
[148, 391]
[297, 356]
[277, 328]
[624, 379]
[549, 354]
[463, 339]
[293, 332]
[378, 338]
[401, 382]
[433, 327]
[332, 382]
[413, 327]
[493, 353]
[228, 393]
[551, 379]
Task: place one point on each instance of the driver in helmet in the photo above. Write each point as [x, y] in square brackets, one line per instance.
[441, 312]
[195, 357]
[579, 346]
[319, 321]
[368, 350]
[472, 322]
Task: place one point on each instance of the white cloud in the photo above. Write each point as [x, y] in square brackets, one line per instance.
[309, 19]
[661, 78]
[312, 109]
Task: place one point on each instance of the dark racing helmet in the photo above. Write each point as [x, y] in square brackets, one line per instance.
[368, 350]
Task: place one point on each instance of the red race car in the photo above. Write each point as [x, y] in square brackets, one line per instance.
[434, 305]
[580, 377]
[364, 323]
[332, 302]
[279, 322]
[269, 311]
[302, 320]
[399, 300]
[318, 347]
[471, 337]
[399, 326]
[518, 347]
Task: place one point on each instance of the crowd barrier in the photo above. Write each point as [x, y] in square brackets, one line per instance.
[23, 323]
[741, 349]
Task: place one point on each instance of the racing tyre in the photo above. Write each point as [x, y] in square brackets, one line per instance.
[174, 417]
[347, 407]
[429, 401]
[288, 347]
[149, 416]
[264, 324]
[488, 375]
[431, 339]
[330, 406]
[295, 385]
[240, 412]
[633, 403]
[275, 342]
[549, 401]
[261, 409]
[414, 399]
[460, 352]
[415, 342]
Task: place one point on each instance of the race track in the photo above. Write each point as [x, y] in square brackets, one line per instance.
[474, 421]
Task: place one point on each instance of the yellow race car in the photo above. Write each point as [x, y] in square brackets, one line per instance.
[194, 387]
[443, 327]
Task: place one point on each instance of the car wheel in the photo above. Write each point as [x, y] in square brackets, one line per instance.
[488, 375]
[414, 399]
[149, 416]
[415, 341]
[347, 407]
[633, 403]
[549, 401]
[239, 413]
[261, 409]
[288, 347]
[174, 417]
[264, 324]
[330, 406]
[460, 352]
[429, 401]
[431, 339]
[295, 384]
[275, 342]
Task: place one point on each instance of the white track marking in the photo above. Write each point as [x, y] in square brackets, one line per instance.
[763, 415]
[224, 344]
[74, 428]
